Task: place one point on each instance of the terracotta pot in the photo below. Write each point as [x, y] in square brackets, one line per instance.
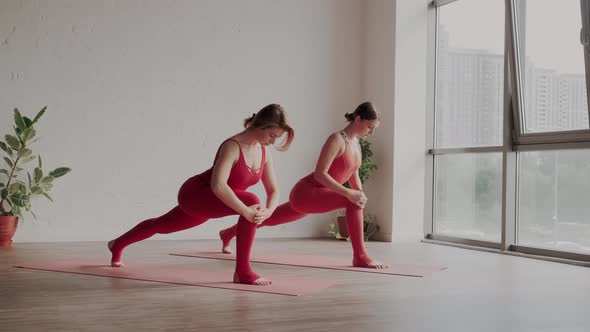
[342, 227]
[7, 230]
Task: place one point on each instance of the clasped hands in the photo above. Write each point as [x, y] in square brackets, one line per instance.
[257, 214]
[357, 197]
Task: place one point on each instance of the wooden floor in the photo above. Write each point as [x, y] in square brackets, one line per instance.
[478, 292]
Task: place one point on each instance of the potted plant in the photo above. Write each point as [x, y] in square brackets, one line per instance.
[15, 192]
[367, 167]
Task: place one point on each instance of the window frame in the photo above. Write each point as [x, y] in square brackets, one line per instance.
[514, 140]
[557, 139]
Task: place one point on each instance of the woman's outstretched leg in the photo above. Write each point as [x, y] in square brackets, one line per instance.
[283, 214]
[226, 235]
[173, 221]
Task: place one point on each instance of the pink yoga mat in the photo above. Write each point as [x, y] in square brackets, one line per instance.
[320, 262]
[182, 276]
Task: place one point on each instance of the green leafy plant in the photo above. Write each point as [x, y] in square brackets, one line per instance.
[370, 227]
[15, 193]
[367, 167]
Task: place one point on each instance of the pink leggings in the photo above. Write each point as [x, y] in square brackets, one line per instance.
[307, 197]
[197, 204]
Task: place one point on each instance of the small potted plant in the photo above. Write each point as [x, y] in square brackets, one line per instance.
[369, 225]
[16, 190]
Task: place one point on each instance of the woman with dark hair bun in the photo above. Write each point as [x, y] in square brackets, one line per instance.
[323, 189]
[241, 161]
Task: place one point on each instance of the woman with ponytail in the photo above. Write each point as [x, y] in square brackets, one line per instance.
[241, 161]
[323, 189]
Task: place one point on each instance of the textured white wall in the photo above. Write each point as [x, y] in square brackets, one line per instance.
[140, 94]
[395, 76]
[379, 87]
[410, 119]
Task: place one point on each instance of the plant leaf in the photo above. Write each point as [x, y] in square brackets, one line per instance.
[48, 197]
[61, 171]
[28, 121]
[5, 171]
[17, 187]
[16, 212]
[19, 199]
[2, 185]
[24, 153]
[28, 134]
[8, 161]
[4, 193]
[46, 186]
[6, 205]
[36, 190]
[18, 119]
[41, 112]
[12, 141]
[27, 159]
[46, 179]
[38, 174]
[3, 146]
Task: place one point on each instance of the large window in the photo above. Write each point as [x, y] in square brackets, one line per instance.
[553, 210]
[468, 196]
[470, 74]
[469, 114]
[554, 77]
[511, 129]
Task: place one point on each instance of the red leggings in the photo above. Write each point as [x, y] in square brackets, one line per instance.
[305, 198]
[197, 204]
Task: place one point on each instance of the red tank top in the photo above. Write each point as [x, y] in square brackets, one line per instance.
[342, 166]
[241, 175]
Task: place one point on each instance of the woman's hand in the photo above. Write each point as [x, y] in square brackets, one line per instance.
[252, 214]
[357, 197]
[263, 214]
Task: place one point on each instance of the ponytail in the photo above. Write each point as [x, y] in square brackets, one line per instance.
[248, 121]
[366, 110]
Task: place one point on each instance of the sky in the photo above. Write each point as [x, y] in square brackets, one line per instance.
[552, 30]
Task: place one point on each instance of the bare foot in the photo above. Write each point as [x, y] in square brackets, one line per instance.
[117, 264]
[115, 259]
[224, 243]
[367, 262]
[252, 280]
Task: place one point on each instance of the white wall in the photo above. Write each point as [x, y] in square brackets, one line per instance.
[410, 118]
[395, 79]
[140, 94]
[379, 73]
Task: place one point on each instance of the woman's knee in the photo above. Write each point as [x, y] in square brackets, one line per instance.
[248, 198]
[350, 206]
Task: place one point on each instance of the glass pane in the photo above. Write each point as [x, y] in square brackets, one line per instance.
[468, 197]
[554, 82]
[470, 74]
[554, 211]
